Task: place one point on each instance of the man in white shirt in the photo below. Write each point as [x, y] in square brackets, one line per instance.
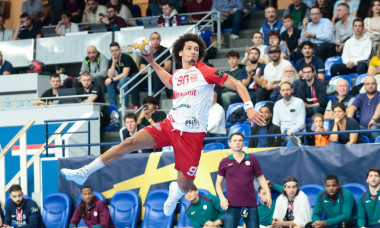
[5, 34]
[93, 11]
[216, 119]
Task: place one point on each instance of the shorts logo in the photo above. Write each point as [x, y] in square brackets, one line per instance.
[219, 73]
[157, 126]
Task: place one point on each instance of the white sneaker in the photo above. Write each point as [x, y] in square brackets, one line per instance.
[295, 141]
[79, 176]
[171, 203]
[234, 37]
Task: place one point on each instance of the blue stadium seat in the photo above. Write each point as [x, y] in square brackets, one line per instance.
[329, 62]
[213, 146]
[365, 139]
[231, 109]
[206, 35]
[347, 78]
[326, 125]
[377, 139]
[227, 30]
[357, 189]
[183, 19]
[110, 127]
[183, 220]
[312, 190]
[353, 75]
[360, 79]
[243, 129]
[56, 211]
[260, 104]
[154, 214]
[125, 209]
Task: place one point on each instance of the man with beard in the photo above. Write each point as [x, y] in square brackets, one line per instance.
[111, 20]
[21, 212]
[89, 88]
[369, 206]
[307, 49]
[55, 83]
[93, 11]
[366, 103]
[28, 29]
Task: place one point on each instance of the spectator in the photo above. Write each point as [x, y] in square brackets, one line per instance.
[374, 65]
[21, 212]
[76, 8]
[368, 213]
[320, 31]
[97, 64]
[203, 211]
[257, 40]
[6, 67]
[343, 29]
[8, 33]
[375, 116]
[267, 112]
[343, 123]
[364, 8]
[271, 24]
[366, 104]
[272, 74]
[326, 8]
[372, 24]
[28, 29]
[33, 8]
[122, 11]
[274, 40]
[121, 69]
[289, 75]
[55, 83]
[266, 213]
[55, 8]
[291, 37]
[309, 3]
[307, 49]
[312, 91]
[149, 115]
[298, 11]
[319, 140]
[235, 71]
[195, 6]
[343, 97]
[93, 211]
[232, 15]
[65, 25]
[88, 88]
[93, 11]
[354, 5]
[216, 126]
[289, 112]
[158, 49]
[112, 21]
[169, 16]
[292, 206]
[338, 205]
[240, 191]
[155, 6]
[131, 126]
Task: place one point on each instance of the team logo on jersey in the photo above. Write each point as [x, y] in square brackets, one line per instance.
[95, 213]
[182, 106]
[247, 163]
[193, 77]
[204, 207]
[192, 122]
[219, 73]
[177, 95]
[34, 209]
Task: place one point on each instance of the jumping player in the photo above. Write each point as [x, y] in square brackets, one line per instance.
[185, 125]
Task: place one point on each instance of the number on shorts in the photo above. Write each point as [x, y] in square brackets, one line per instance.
[192, 171]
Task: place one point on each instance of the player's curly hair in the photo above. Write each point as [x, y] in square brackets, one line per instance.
[180, 44]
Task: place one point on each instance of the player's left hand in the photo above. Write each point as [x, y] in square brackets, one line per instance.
[255, 117]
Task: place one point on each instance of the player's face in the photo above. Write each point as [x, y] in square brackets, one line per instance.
[233, 61]
[291, 189]
[86, 81]
[155, 40]
[115, 52]
[191, 195]
[331, 187]
[130, 124]
[262, 195]
[87, 195]
[257, 39]
[55, 82]
[92, 53]
[318, 122]
[253, 56]
[373, 179]
[307, 51]
[17, 197]
[190, 52]
[265, 111]
[237, 143]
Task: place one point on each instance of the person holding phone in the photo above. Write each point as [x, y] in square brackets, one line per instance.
[93, 11]
[148, 114]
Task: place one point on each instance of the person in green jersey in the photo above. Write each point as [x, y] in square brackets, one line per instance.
[369, 203]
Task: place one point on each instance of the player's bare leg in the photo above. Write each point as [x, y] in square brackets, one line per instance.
[141, 140]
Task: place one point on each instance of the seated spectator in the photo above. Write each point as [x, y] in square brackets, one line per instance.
[93, 12]
[271, 24]
[257, 40]
[204, 211]
[169, 16]
[21, 212]
[343, 29]
[55, 83]
[367, 103]
[89, 88]
[131, 126]
[288, 76]
[148, 114]
[1, 216]
[326, 8]
[216, 126]
[155, 6]
[28, 29]
[121, 69]
[112, 21]
[265, 212]
[76, 8]
[232, 15]
[93, 211]
[353, 4]
[267, 112]
[307, 49]
[291, 37]
[372, 24]
[343, 97]
[233, 59]
[298, 11]
[8, 33]
[6, 67]
[65, 25]
[312, 91]
[343, 123]
[368, 208]
[195, 6]
[272, 74]
[274, 40]
[33, 8]
[289, 113]
[375, 117]
[292, 206]
[122, 11]
[318, 140]
[320, 31]
[374, 64]
[338, 205]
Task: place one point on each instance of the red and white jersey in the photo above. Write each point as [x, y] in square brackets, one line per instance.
[192, 96]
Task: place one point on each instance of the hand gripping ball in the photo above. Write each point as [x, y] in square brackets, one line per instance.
[141, 46]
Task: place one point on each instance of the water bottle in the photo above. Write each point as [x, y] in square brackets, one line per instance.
[7, 102]
[28, 104]
[167, 24]
[174, 22]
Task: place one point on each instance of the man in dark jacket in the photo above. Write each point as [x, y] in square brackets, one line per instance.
[267, 111]
[312, 91]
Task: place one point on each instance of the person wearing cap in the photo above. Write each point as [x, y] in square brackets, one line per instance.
[148, 114]
[292, 206]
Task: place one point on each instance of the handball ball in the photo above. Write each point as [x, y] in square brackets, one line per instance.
[141, 46]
